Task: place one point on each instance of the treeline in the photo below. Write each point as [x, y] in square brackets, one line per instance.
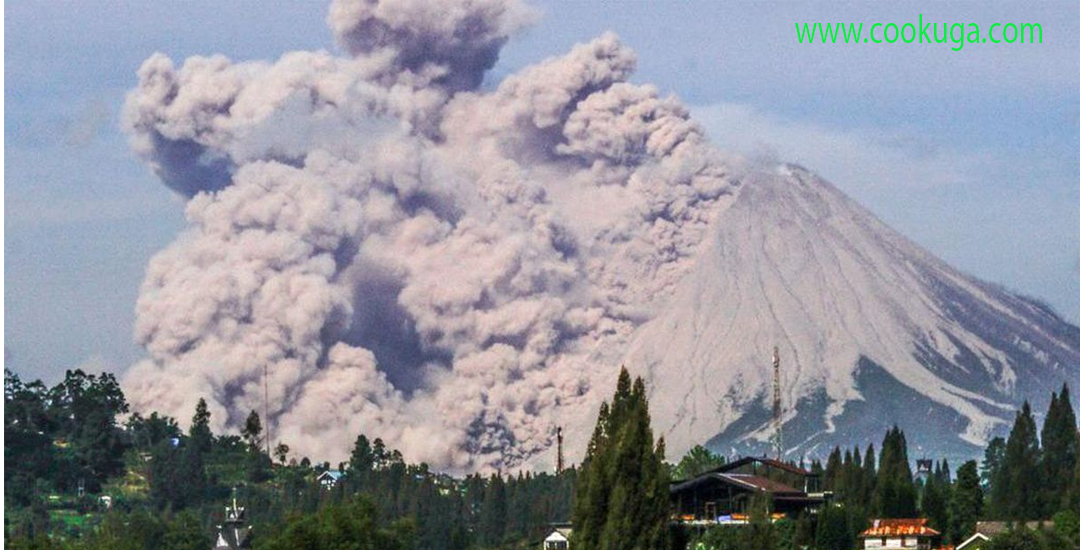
[65, 448]
[1022, 478]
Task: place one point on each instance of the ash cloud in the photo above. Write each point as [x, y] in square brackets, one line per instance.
[454, 270]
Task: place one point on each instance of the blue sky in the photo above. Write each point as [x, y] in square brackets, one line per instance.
[972, 154]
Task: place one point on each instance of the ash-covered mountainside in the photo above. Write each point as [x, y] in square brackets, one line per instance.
[872, 330]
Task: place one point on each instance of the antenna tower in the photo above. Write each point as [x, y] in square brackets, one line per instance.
[777, 408]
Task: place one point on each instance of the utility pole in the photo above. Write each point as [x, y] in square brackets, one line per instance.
[559, 456]
[266, 408]
[777, 408]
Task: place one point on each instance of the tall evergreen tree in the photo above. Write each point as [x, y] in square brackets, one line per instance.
[894, 493]
[934, 503]
[362, 459]
[202, 439]
[1017, 488]
[493, 513]
[966, 505]
[622, 499]
[1061, 447]
[834, 532]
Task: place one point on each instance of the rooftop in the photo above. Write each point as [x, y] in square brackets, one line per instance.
[766, 461]
[899, 528]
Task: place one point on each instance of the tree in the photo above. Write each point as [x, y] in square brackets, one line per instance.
[252, 430]
[1016, 490]
[894, 495]
[202, 439]
[833, 531]
[493, 512]
[934, 503]
[966, 505]
[1067, 524]
[177, 476]
[362, 459]
[697, 460]
[146, 432]
[1060, 448]
[1015, 539]
[185, 533]
[759, 534]
[281, 452]
[84, 408]
[353, 525]
[622, 498]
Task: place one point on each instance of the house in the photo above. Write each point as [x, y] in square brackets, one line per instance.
[559, 539]
[329, 479]
[723, 494]
[986, 530]
[900, 533]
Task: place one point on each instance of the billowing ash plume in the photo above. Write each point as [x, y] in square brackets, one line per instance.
[407, 255]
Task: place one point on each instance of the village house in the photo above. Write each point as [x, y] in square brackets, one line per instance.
[329, 479]
[900, 533]
[559, 539]
[987, 530]
[723, 494]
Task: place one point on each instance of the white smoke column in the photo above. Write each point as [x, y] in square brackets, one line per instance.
[452, 270]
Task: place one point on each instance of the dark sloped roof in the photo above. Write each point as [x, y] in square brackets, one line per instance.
[744, 481]
[766, 461]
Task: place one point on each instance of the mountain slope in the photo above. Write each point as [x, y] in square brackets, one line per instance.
[872, 330]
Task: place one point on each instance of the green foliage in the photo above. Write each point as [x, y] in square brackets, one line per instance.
[177, 476]
[1025, 539]
[623, 501]
[1061, 449]
[252, 430]
[1015, 490]
[350, 525]
[894, 491]
[696, 461]
[61, 438]
[834, 529]
[966, 505]
[1067, 525]
[202, 439]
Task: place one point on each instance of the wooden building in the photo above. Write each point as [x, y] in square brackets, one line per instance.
[723, 494]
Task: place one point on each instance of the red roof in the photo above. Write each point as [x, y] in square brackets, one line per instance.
[898, 528]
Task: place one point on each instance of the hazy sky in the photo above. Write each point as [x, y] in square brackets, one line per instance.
[973, 154]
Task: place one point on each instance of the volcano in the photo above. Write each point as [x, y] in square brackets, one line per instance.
[872, 331]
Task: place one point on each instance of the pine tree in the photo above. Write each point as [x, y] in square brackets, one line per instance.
[966, 505]
[833, 532]
[934, 503]
[493, 512]
[1061, 447]
[832, 470]
[894, 494]
[1017, 487]
[362, 459]
[202, 439]
[622, 500]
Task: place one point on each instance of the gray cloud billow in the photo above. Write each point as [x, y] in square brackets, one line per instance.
[454, 270]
